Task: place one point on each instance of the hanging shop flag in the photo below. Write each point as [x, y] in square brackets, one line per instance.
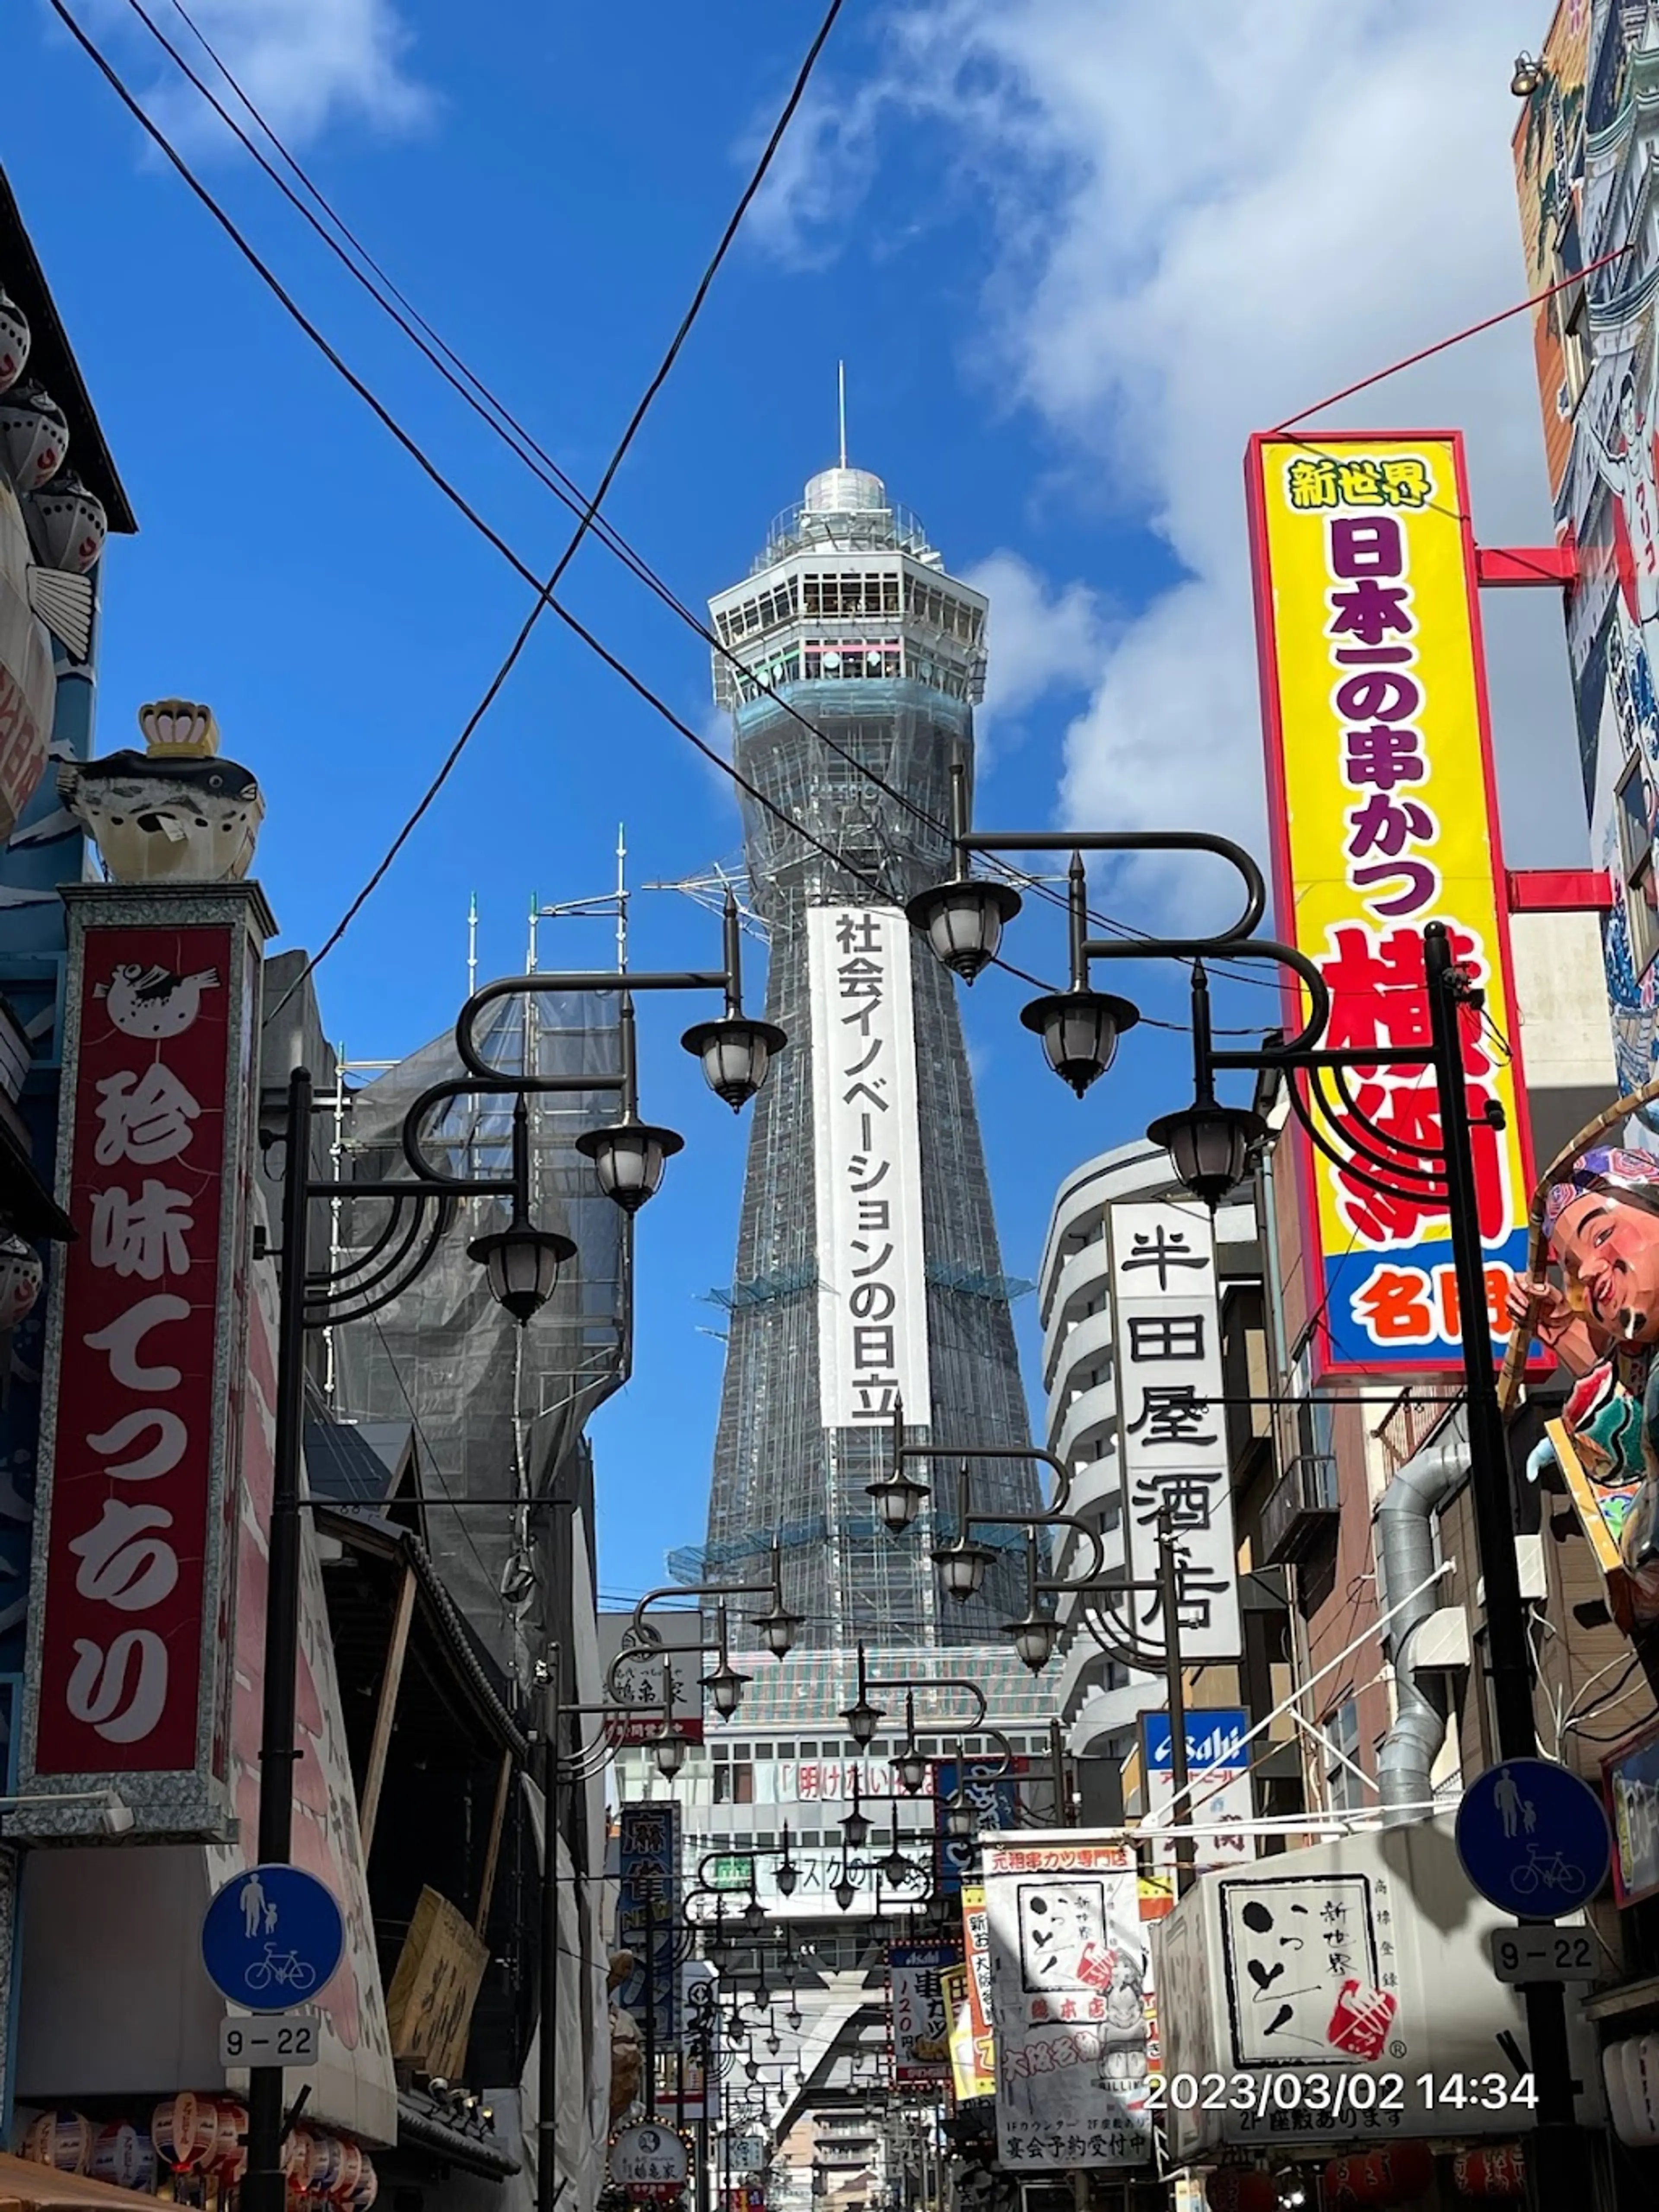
[128, 1674]
[648, 1915]
[921, 2023]
[976, 1963]
[1070, 1992]
[992, 1788]
[1166, 1320]
[872, 1296]
[1384, 818]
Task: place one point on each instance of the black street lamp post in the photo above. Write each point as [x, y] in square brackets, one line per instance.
[521, 1263]
[1210, 1145]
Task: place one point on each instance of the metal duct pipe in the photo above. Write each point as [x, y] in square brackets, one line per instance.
[1404, 1525]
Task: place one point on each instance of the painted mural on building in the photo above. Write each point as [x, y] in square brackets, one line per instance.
[1584, 151]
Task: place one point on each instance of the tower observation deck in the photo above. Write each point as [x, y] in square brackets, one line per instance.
[867, 1264]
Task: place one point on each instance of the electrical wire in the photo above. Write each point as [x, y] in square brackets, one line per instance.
[498, 418]
[545, 598]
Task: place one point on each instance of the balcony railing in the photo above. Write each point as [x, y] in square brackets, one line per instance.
[1301, 1510]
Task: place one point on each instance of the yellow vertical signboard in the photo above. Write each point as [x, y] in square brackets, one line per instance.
[1384, 818]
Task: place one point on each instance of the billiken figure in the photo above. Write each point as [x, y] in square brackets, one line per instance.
[1604, 1325]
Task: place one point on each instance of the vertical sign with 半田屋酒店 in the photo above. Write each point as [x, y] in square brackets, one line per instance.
[1384, 818]
[1166, 1319]
[873, 1296]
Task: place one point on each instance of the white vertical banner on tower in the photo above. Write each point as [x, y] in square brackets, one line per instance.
[873, 1299]
[1173, 1427]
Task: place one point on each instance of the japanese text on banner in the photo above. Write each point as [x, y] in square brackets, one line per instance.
[872, 1301]
[139, 1417]
[1384, 821]
[1173, 1439]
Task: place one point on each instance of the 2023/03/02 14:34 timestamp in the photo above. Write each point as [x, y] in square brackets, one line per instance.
[1313, 2091]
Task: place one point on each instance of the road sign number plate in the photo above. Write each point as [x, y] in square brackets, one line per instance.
[268, 2038]
[1543, 1954]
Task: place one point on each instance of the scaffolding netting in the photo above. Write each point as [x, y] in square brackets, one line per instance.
[497, 1411]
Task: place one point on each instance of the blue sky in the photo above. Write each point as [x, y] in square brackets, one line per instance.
[1070, 256]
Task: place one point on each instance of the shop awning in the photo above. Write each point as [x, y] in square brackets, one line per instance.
[23, 2181]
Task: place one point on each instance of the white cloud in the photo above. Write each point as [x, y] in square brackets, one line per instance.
[1041, 641]
[1201, 223]
[305, 65]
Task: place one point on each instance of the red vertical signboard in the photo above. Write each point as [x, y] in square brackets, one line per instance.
[131, 1599]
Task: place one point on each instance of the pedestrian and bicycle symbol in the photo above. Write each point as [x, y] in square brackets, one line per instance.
[1534, 1839]
[270, 1936]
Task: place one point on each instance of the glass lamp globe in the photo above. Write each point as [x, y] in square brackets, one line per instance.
[898, 1500]
[737, 1054]
[521, 1265]
[1035, 1638]
[1079, 1031]
[1209, 1147]
[964, 921]
[629, 1158]
[963, 1567]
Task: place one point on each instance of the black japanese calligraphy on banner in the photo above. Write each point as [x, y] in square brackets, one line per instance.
[1173, 1429]
[1071, 1989]
[872, 1303]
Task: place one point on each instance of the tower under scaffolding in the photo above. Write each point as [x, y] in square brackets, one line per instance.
[850, 654]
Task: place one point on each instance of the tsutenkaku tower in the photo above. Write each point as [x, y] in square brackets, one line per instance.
[867, 1262]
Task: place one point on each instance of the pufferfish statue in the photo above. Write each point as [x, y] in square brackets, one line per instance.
[175, 813]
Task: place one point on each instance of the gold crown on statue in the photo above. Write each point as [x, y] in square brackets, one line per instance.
[179, 729]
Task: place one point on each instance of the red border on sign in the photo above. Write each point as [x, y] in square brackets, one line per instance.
[1326, 1360]
[122, 1688]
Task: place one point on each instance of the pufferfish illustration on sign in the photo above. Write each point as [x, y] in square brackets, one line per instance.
[154, 1002]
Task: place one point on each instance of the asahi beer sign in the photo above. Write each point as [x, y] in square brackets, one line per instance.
[129, 1646]
[872, 1303]
[921, 2025]
[1173, 1431]
[1072, 1997]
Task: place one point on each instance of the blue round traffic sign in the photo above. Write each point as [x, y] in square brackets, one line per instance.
[272, 1937]
[1534, 1839]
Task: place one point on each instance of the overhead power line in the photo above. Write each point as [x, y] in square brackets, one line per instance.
[544, 590]
[368, 273]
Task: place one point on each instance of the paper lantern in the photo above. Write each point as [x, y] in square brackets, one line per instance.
[13, 340]
[63, 2139]
[71, 523]
[34, 437]
[350, 2173]
[22, 1273]
[1629, 2068]
[124, 2156]
[1346, 2181]
[185, 2129]
[323, 2164]
[1403, 2171]
[228, 2157]
[1241, 2189]
[1498, 2172]
[296, 2160]
[369, 2185]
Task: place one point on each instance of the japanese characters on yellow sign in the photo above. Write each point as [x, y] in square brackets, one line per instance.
[1384, 819]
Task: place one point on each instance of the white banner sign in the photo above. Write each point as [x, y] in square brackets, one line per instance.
[872, 1303]
[1072, 1997]
[1172, 1424]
